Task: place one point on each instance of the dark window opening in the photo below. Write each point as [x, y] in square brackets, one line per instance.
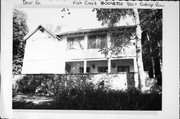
[68, 68]
[81, 69]
[123, 69]
[102, 69]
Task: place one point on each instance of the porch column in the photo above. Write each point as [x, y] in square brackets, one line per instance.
[85, 65]
[109, 65]
[85, 42]
[108, 43]
[135, 65]
[136, 73]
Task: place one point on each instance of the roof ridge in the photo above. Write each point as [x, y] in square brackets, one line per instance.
[38, 27]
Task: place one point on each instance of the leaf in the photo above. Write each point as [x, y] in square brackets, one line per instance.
[20, 29]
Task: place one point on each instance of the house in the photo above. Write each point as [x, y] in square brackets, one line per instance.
[77, 52]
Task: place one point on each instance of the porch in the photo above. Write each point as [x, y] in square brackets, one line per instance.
[101, 66]
[122, 73]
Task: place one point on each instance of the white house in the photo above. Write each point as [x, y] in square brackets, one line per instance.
[76, 52]
[79, 52]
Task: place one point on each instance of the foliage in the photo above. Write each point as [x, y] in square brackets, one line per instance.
[20, 29]
[27, 85]
[64, 12]
[35, 84]
[50, 84]
[76, 92]
[151, 25]
[111, 17]
[98, 99]
[31, 105]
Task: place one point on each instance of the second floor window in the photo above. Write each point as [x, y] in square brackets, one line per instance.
[97, 41]
[75, 43]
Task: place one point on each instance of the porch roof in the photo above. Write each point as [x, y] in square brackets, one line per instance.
[100, 59]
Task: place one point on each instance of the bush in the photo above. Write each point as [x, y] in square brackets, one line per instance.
[29, 83]
[51, 84]
[78, 93]
[98, 99]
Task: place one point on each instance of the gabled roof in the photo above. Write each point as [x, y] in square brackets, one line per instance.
[40, 27]
[77, 32]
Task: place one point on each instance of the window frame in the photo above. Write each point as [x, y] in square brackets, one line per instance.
[88, 69]
[105, 70]
[96, 39]
[123, 68]
[74, 40]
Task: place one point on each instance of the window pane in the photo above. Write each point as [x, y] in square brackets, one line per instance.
[91, 43]
[103, 41]
[88, 70]
[68, 68]
[102, 69]
[81, 70]
[97, 41]
[123, 69]
[75, 43]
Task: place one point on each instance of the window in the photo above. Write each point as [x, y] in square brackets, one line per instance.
[75, 43]
[68, 68]
[123, 69]
[102, 69]
[81, 69]
[97, 41]
[88, 70]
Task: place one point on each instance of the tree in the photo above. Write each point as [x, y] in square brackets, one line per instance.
[20, 29]
[149, 32]
[149, 22]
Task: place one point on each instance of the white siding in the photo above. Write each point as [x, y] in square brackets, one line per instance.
[129, 51]
[43, 54]
[46, 54]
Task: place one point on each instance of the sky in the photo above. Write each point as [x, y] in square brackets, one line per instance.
[79, 18]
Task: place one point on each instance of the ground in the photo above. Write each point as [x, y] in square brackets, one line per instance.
[32, 98]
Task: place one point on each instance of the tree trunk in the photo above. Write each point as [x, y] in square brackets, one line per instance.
[152, 59]
[160, 60]
[140, 67]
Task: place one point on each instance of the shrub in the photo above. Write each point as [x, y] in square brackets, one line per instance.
[77, 92]
[98, 99]
[29, 83]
